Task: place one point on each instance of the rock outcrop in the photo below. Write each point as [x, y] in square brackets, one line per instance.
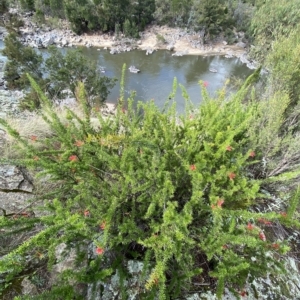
[15, 179]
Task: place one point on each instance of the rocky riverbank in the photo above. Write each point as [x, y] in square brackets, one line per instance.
[9, 100]
[181, 41]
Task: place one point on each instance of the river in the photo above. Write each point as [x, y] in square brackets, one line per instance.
[159, 69]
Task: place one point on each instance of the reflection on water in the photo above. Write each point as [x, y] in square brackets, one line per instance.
[159, 69]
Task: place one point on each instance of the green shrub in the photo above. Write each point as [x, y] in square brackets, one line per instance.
[174, 192]
[3, 6]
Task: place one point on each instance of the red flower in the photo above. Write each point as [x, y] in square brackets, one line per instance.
[79, 143]
[25, 215]
[283, 214]
[228, 148]
[33, 138]
[99, 250]
[193, 167]
[220, 202]
[86, 213]
[231, 175]
[250, 226]
[252, 154]
[73, 158]
[205, 83]
[264, 221]
[243, 293]
[103, 225]
[275, 246]
[262, 236]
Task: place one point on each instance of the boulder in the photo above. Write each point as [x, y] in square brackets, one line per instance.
[2, 63]
[149, 51]
[28, 288]
[134, 284]
[15, 179]
[64, 43]
[47, 41]
[241, 45]
[170, 47]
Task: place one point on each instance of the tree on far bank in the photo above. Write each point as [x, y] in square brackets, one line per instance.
[21, 60]
[213, 16]
[56, 75]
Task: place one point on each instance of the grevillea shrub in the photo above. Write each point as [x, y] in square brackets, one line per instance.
[172, 191]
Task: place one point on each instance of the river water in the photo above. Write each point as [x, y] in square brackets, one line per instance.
[159, 69]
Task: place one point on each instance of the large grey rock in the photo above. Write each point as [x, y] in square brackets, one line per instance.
[134, 284]
[28, 288]
[2, 64]
[66, 259]
[64, 43]
[241, 45]
[170, 47]
[47, 41]
[3, 33]
[15, 179]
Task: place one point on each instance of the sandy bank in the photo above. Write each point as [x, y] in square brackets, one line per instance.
[175, 38]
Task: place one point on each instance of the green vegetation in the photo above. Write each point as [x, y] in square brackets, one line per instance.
[282, 18]
[102, 15]
[63, 73]
[175, 193]
[3, 7]
[190, 197]
[131, 17]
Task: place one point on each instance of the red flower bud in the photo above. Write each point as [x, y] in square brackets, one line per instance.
[231, 175]
[103, 225]
[33, 138]
[99, 250]
[79, 143]
[262, 236]
[220, 202]
[283, 214]
[250, 226]
[275, 246]
[252, 154]
[205, 83]
[73, 158]
[193, 167]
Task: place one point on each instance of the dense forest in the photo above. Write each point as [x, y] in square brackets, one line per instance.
[130, 17]
[148, 204]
